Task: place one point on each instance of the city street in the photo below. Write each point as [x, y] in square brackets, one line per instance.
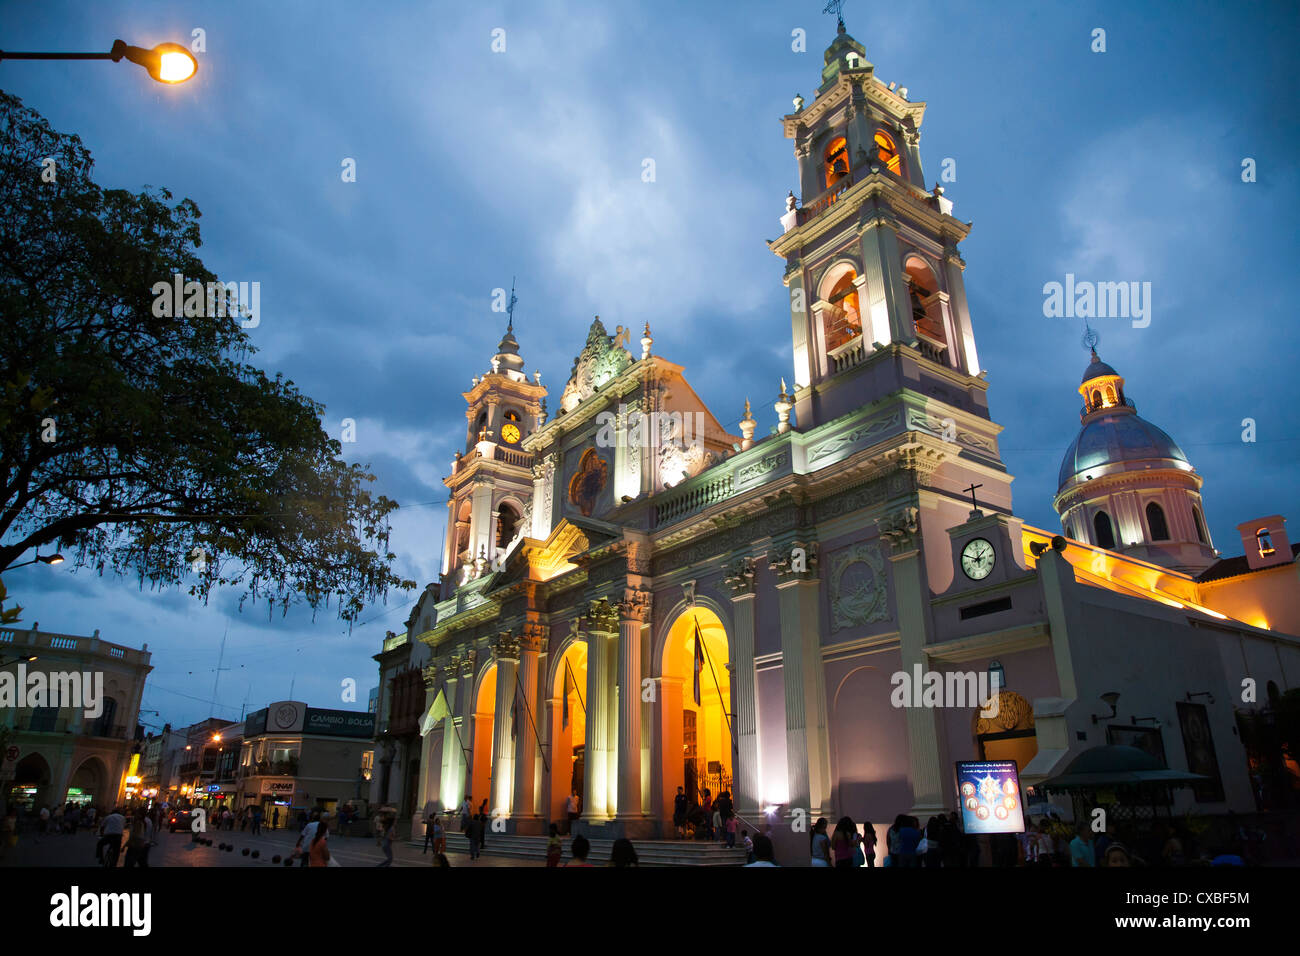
[178, 849]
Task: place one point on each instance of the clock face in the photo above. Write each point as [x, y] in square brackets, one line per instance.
[977, 559]
[510, 433]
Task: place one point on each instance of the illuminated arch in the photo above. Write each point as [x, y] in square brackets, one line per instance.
[887, 152]
[835, 161]
[697, 739]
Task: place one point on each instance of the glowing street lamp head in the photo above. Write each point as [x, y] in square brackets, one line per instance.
[166, 63]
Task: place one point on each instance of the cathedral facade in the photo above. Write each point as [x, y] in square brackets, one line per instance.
[634, 600]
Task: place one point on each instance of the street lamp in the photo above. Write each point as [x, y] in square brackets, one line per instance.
[47, 559]
[19, 660]
[166, 63]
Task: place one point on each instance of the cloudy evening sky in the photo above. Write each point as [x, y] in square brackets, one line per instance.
[474, 166]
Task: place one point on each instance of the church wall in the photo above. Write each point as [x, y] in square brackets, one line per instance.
[1153, 662]
[1269, 598]
[868, 736]
[1259, 659]
[769, 692]
[767, 616]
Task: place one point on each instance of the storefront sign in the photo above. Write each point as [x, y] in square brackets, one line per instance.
[340, 723]
[278, 788]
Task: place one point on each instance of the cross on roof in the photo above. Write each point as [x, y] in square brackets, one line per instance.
[836, 7]
[974, 506]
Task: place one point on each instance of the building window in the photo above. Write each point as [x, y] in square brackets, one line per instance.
[1201, 534]
[1096, 400]
[844, 320]
[837, 160]
[887, 153]
[1265, 542]
[1156, 522]
[1105, 534]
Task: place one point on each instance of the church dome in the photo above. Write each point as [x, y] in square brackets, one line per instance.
[1112, 432]
[1114, 439]
[508, 359]
[1097, 369]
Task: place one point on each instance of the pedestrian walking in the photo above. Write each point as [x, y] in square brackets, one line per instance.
[9, 832]
[680, 806]
[275, 817]
[388, 828]
[140, 840]
[712, 819]
[571, 805]
[257, 821]
[430, 816]
[302, 849]
[466, 816]
[475, 835]
[44, 824]
[318, 850]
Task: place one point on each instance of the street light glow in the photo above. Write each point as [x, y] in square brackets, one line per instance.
[175, 66]
[166, 63]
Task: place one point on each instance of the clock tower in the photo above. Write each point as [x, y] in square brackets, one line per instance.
[491, 481]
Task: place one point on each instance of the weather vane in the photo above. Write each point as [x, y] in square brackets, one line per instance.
[1090, 337]
[836, 7]
[510, 309]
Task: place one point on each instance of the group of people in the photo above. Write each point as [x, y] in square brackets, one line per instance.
[707, 818]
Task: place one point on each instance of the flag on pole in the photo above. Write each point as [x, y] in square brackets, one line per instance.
[699, 659]
[564, 704]
[438, 711]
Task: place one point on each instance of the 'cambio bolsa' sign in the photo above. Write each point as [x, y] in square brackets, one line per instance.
[339, 723]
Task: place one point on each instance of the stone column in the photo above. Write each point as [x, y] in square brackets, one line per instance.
[889, 304]
[506, 651]
[526, 744]
[480, 519]
[953, 265]
[601, 624]
[451, 756]
[634, 614]
[807, 742]
[431, 675]
[740, 579]
[911, 597]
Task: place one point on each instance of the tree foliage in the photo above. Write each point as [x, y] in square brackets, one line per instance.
[145, 444]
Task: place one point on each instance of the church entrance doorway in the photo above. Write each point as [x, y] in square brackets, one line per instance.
[485, 702]
[568, 708]
[698, 726]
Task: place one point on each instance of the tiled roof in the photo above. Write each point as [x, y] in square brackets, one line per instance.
[1231, 567]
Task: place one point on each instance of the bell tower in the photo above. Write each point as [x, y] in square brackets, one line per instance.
[491, 482]
[872, 265]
